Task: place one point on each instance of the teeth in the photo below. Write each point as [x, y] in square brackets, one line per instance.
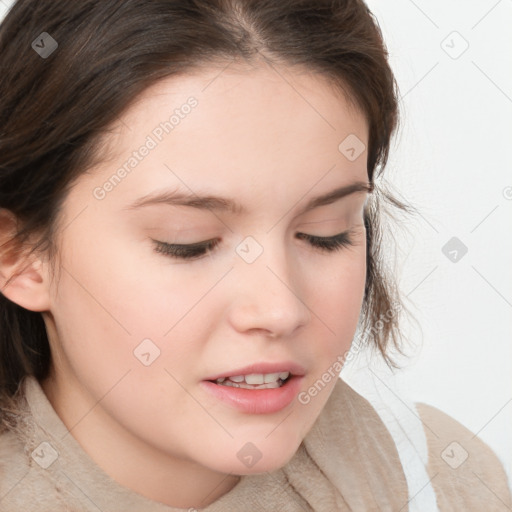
[254, 379]
[270, 385]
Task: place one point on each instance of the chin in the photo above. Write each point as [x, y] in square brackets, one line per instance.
[267, 466]
[252, 457]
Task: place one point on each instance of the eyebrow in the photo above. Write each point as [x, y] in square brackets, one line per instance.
[224, 204]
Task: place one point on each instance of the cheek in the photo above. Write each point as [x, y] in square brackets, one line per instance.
[337, 303]
[339, 287]
[338, 300]
[106, 304]
[115, 293]
[124, 285]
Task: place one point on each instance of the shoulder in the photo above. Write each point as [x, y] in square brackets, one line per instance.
[465, 472]
[24, 484]
[352, 448]
[14, 470]
[13, 460]
[22, 481]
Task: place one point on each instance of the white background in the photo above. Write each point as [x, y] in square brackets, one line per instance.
[452, 160]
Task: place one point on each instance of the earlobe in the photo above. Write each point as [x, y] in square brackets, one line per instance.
[23, 279]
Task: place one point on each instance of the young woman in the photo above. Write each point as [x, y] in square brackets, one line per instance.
[190, 238]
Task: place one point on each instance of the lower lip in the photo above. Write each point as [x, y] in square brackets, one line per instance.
[256, 401]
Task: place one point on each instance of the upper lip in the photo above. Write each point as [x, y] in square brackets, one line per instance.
[277, 367]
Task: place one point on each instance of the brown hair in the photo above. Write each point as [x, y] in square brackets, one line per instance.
[56, 110]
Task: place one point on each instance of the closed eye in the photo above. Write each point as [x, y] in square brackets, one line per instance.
[199, 249]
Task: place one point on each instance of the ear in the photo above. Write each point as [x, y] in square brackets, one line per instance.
[23, 278]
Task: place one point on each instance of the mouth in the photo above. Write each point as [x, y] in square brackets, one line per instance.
[253, 390]
[254, 380]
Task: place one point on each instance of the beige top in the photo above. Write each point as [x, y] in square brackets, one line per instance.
[347, 462]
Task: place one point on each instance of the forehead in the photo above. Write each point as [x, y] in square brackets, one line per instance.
[237, 102]
[252, 132]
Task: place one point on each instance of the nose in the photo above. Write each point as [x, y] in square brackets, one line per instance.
[267, 298]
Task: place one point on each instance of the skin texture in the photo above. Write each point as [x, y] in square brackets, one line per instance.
[270, 140]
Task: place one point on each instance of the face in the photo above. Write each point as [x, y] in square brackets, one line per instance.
[155, 298]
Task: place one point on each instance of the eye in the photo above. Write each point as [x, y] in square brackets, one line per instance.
[200, 249]
[186, 252]
[329, 243]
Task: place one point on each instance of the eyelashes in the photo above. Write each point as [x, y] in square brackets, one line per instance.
[187, 252]
[328, 243]
[198, 250]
